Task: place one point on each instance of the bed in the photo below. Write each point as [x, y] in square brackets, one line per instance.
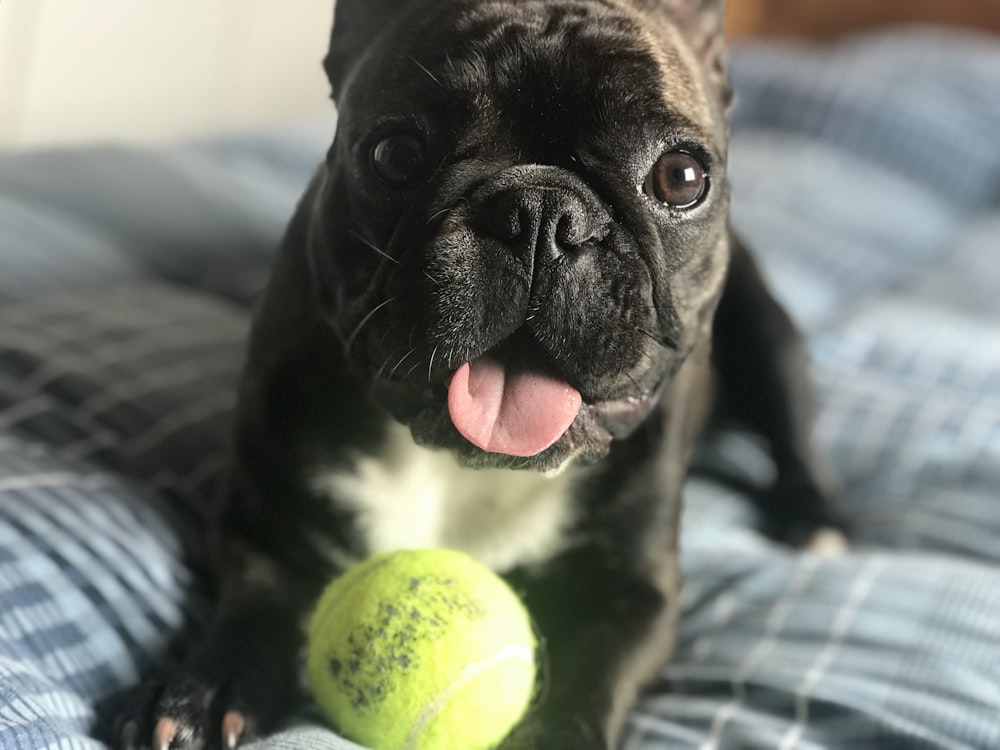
[867, 176]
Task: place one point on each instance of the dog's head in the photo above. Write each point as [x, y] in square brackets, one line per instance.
[521, 228]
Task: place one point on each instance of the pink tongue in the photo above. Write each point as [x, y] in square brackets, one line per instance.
[517, 413]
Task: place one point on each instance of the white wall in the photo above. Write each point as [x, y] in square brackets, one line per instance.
[156, 70]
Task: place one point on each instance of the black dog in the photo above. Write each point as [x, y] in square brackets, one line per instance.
[501, 315]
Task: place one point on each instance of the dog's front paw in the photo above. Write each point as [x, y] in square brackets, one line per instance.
[188, 712]
[828, 542]
[802, 513]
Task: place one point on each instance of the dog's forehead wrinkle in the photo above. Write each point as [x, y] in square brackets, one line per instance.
[549, 79]
[500, 52]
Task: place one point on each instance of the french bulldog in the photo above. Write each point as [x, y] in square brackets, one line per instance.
[506, 308]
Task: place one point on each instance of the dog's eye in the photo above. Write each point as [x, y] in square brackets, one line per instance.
[677, 180]
[398, 159]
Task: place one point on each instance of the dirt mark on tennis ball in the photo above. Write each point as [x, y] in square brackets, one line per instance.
[376, 654]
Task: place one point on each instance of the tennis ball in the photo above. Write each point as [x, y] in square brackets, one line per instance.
[421, 650]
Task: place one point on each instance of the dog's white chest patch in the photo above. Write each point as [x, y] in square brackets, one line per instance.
[411, 497]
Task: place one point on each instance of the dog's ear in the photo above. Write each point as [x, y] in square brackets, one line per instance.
[703, 24]
[355, 25]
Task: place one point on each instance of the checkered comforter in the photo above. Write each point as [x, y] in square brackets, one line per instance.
[868, 177]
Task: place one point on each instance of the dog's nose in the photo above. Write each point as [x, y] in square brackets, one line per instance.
[536, 219]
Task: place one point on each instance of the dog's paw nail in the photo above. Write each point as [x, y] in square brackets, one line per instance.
[130, 736]
[164, 734]
[233, 726]
[828, 543]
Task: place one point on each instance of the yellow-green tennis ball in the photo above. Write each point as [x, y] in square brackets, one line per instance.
[422, 650]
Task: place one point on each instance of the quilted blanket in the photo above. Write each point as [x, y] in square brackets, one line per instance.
[866, 175]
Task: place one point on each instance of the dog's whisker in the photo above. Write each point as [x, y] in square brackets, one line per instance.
[354, 334]
[446, 209]
[386, 332]
[381, 369]
[391, 355]
[618, 377]
[655, 339]
[430, 363]
[437, 214]
[430, 75]
[401, 361]
[372, 246]
[664, 340]
[410, 371]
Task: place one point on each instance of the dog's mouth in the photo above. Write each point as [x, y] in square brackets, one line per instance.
[513, 404]
[501, 408]
[510, 401]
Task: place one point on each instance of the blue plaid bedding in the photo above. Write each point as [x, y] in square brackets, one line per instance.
[867, 175]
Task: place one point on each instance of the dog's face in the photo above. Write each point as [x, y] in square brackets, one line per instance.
[521, 228]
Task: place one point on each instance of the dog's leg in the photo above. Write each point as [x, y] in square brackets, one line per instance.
[276, 543]
[605, 634]
[607, 609]
[762, 372]
[242, 677]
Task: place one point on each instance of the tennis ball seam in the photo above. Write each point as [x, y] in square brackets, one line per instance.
[471, 672]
